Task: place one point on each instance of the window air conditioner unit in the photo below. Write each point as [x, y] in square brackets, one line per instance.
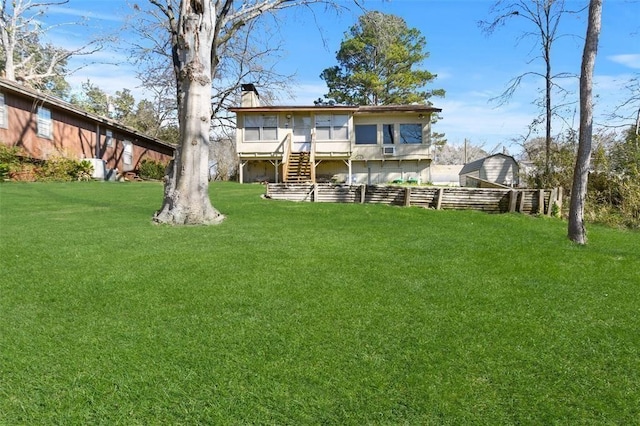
[389, 150]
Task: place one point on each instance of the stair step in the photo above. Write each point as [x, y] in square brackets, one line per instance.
[299, 167]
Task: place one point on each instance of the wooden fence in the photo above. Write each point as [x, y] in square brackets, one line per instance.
[530, 201]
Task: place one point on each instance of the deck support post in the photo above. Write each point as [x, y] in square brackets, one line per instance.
[552, 199]
[241, 171]
[540, 201]
[513, 201]
[439, 202]
[275, 164]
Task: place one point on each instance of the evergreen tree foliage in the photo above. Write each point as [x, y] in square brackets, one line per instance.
[378, 62]
[143, 116]
[92, 99]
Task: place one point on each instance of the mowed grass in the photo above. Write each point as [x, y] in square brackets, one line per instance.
[303, 313]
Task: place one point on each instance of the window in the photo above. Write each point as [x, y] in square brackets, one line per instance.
[109, 138]
[127, 152]
[332, 127]
[45, 127]
[260, 128]
[366, 134]
[387, 134]
[411, 133]
[3, 113]
[270, 127]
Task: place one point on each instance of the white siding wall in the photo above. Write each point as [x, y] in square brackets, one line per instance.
[500, 170]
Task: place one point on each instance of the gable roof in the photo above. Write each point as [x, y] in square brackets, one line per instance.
[341, 108]
[477, 164]
[45, 99]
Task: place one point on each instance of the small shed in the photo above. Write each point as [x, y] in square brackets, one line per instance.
[498, 170]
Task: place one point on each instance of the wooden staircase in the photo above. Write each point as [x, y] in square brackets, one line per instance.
[299, 168]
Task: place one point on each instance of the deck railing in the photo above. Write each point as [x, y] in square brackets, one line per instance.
[522, 200]
[286, 151]
[312, 157]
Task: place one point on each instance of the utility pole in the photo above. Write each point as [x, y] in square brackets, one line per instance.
[465, 150]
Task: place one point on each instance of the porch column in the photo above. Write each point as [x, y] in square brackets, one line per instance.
[241, 171]
[98, 151]
[274, 163]
[348, 163]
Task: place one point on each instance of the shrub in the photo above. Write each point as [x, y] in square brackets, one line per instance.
[150, 169]
[65, 169]
[9, 161]
[613, 200]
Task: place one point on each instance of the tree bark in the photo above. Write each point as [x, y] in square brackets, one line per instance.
[197, 34]
[576, 230]
[8, 38]
[548, 105]
[186, 196]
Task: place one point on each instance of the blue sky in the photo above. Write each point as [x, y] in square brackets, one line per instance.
[471, 66]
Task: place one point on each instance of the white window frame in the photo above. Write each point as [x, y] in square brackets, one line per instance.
[265, 125]
[109, 137]
[4, 120]
[45, 123]
[333, 124]
[127, 152]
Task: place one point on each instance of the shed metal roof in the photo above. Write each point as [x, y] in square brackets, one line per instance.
[477, 164]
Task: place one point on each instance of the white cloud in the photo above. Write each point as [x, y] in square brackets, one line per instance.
[109, 78]
[306, 93]
[88, 14]
[628, 60]
[481, 123]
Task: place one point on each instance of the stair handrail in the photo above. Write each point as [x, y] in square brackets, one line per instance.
[286, 152]
[312, 156]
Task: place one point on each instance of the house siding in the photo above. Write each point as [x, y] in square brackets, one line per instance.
[339, 160]
[500, 170]
[74, 133]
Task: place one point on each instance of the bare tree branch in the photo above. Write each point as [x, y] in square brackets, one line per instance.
[545, 17]
[24, 57]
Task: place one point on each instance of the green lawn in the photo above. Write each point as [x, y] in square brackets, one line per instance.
[303, 313]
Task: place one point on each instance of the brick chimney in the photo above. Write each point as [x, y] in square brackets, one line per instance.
[250, 97]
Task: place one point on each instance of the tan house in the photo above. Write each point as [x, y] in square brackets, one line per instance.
[44, 127]
[352, 144]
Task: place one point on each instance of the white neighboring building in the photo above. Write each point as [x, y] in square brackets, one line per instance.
[446, 174]
[500, 169]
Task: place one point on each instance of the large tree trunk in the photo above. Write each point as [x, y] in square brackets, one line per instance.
[9, 67]
[577, 232]
[186, 198]
[8, 45]
[548, 113]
